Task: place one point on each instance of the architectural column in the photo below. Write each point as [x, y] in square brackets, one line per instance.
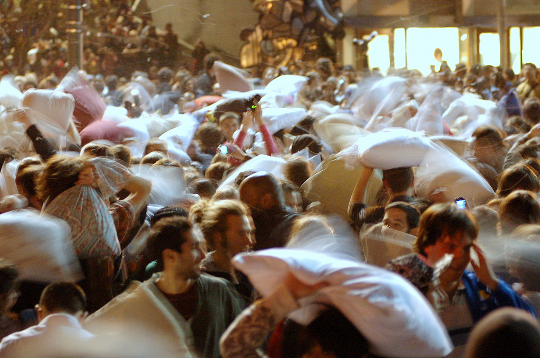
[74, 32]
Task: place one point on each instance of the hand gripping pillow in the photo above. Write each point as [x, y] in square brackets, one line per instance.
[39, 245]
[335, 174]
[392, 148]
[393, 315]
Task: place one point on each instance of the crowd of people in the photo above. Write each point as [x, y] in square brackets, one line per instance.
[153, 205]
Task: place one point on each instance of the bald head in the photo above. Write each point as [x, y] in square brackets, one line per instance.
[261, 191]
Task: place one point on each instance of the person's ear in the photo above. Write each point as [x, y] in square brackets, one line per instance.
[168, 255]
[39, 311]
[217, 239]
[414, 231]
[81, 316]
[267, 201]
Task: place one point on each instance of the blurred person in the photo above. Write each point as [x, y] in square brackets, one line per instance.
[228, 230]
[61, 310]
[229, 123]
[205, 81]
[273, 220]
[517, 177]
[504, 333]
[518, 208]
[297, 170]
[461, 297]
[293, 196]
[529, 86]
[156, 145]
[9, 322]
[180, 296]
[396, 182]
[329, 335]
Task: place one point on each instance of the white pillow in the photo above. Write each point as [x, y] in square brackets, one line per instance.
[441, 169]
[393, 315]
[115, 114]
[340, 130]
[281, 118]
[231, 78]
[168, 185]
[428, 118]
[10, 95]
[287, 85]
[271, 165]
[39, 245]
[392, 148]
[335, 173]
[49, 109]
[180, 137]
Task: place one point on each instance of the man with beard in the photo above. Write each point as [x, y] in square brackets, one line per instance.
[273, 220]
[178, 304]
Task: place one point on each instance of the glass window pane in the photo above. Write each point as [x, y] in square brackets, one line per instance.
[421, 45]
[379, 53]
[399, 48]
[489, 49]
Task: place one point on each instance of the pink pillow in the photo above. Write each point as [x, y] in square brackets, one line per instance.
[104, 130]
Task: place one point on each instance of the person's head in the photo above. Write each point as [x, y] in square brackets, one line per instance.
[398, 180]
[176, 247]
[122, 153]
[216, 171]
[227, 192]
[306, 141]
[329, 335]
[506, 332]
[209, 136]
[401, 216]
[227, 228]
[229, 123]
[62, 297]
[96, 150]
[60, 173]
[297, 170]
[241, 176]
[529, 72]
[518, 208]
[8, 285]
[153, 157]
[168, 212]
[156, 145]
[209, 61]
[517, 177]
[516, 124]
[531, 112]
[261, 191]
[446, 229]
[293, 195]
[26, 180]
[205, 188]
[487, 219]
[488, 144]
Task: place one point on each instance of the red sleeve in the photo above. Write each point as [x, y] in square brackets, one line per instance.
[271, 147]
